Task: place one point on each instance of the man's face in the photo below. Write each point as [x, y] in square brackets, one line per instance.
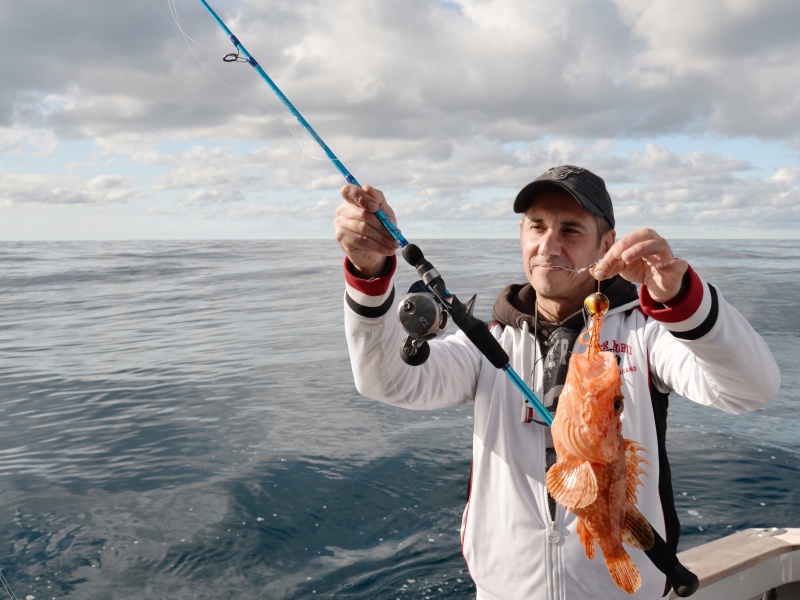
[556, 232]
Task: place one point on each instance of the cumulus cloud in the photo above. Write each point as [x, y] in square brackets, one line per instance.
[452, 104]
[409, 69]
[28, 189]
[17, 140]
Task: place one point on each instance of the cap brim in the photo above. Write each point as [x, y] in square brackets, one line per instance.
[529, 192]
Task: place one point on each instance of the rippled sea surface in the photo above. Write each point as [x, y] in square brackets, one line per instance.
[178, 420]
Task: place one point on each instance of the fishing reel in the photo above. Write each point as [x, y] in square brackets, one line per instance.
[424, 313]
[423, 316]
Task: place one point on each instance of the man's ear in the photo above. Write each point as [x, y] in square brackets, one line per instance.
[609, 237]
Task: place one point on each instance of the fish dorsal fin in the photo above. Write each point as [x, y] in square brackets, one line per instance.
[633, 469]
[637, 531]
[572, 483]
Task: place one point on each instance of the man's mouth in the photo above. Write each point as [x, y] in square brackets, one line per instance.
[550, 267]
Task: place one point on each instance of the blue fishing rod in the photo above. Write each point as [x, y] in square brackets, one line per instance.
[434, 295]
[247, 57]
[461, 313]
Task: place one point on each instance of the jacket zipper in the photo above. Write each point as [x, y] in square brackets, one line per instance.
[553, 537]
[553, 534]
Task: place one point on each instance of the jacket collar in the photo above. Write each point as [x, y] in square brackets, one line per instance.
[515, 304]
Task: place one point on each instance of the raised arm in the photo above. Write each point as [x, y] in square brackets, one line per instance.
[374, 335]
[701, 346]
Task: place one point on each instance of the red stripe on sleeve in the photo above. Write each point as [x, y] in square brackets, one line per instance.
[376, 286]
[683, 310]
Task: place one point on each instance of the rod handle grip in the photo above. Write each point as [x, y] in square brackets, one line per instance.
[682, 580]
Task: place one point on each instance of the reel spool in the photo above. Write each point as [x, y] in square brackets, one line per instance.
[423, 316]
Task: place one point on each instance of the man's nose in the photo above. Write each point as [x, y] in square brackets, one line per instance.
[549, 244]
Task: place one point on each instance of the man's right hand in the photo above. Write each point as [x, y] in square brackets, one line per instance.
[359, 232]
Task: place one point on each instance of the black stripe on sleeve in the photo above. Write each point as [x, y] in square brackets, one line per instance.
[371, 312]
[705, 326]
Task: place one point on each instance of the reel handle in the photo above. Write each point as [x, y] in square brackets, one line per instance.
[414, 351]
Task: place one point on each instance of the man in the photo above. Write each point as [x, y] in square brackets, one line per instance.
[676, 334]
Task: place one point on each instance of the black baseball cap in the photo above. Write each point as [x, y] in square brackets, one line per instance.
[583, 185]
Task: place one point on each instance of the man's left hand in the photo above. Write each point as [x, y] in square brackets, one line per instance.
[646, 258]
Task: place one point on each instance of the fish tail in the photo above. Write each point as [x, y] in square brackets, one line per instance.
[624, 573]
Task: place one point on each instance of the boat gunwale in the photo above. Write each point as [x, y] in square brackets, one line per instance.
[721, 559]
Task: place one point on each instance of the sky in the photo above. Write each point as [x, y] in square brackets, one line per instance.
[120, 120]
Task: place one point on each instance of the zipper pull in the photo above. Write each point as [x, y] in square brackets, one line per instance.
[553, 536]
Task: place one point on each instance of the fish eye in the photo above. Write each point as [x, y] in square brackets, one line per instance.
[618, 405]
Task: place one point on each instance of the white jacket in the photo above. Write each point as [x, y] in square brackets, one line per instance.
[702, 349]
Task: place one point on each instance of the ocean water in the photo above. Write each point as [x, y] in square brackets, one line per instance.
[178, 420]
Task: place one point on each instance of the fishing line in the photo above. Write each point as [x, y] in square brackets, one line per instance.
[286, 123]
[286, 118]
[7, 586]
[415, 349]
[461, 313]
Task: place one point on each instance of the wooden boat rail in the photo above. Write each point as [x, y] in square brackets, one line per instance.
[753, 564]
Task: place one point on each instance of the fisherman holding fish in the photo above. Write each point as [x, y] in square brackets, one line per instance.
[666, 329]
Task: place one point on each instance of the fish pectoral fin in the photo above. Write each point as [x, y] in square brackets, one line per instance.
[586, 538]
[624, 573]
[572, 483]
[637, 531]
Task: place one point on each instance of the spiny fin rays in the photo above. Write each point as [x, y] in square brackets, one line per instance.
[633, 470]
